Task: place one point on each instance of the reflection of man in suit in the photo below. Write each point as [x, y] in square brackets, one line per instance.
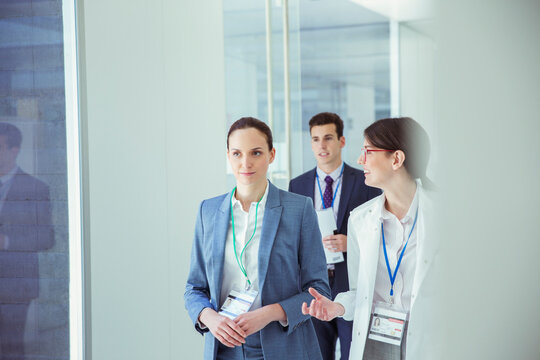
[346, 190]
[25, 229]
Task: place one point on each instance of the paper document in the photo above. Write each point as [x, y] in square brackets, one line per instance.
[327, 225]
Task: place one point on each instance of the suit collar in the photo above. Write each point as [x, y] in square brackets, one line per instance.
[16, 187]
[221, 228]
[309, 188]
[273, 199]
[335, 175]
[7, 177]
[347, 187]
[271, 193]
[271, 220]
[262, 203]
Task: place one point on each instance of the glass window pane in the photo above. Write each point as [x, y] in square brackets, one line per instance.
[345, 57]
[338, 61]
[34, 243]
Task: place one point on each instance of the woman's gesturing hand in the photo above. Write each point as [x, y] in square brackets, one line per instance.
[322, 308]
[224, 329]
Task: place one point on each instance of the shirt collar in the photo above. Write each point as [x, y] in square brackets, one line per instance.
[335, 175]
[386, 215]
[6, 178]
[236, 203]
[412, 209]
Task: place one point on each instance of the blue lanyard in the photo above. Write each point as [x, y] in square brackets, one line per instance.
[337, 187]
[393, 278]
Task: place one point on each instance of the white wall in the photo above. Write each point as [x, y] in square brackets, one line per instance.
[417, 52]
[476, 83]
[487, 103]
[152, 101]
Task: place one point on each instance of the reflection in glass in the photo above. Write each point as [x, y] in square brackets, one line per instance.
[34, 273]
[25, 229]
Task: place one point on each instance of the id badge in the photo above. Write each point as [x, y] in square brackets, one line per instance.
[237, 302]
[327, 225]
[387, 324]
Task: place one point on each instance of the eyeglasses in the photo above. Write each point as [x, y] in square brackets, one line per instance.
[364, 151]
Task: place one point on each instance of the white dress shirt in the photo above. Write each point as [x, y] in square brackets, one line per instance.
[335, 175]
[244, 223]
[396, 233]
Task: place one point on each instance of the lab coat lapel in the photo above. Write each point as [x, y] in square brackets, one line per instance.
[221, 228]
[370, 247]
[426, 244]
[272, 216]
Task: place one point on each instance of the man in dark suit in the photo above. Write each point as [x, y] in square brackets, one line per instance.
[25, 229]
[333, 184]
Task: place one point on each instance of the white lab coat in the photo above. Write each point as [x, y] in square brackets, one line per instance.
[364, 239]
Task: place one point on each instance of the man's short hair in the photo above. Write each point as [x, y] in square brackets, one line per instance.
[325, 118]
[12, 133]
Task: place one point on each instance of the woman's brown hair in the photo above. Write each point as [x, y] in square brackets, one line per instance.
[251, 122]
[407, 135]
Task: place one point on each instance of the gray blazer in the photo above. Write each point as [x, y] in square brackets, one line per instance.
[291, 259]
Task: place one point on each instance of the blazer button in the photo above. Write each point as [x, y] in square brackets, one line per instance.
[358, 333]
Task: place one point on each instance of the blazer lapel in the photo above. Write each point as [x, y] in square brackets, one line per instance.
[347, 186]
[18, 188]
[272, 216]
[221, 227]
[310, 185]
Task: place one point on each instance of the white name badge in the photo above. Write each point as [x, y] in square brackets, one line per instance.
[387, 324]
[237, 302]
[327, 225]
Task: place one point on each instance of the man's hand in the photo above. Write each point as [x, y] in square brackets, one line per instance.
[322, 308]
[335, 243]
[255, 320]
[224, 329]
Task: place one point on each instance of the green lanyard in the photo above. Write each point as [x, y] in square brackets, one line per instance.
[240, 261]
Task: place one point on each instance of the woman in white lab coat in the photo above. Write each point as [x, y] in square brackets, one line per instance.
[386, 233]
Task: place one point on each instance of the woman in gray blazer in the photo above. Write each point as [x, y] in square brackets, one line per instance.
[256, 252]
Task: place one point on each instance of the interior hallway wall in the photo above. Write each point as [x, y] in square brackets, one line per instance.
[487, 106]
[417, 52]
[471, 78]
[153, 133]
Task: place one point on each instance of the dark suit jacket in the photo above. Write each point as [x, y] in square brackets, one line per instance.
[25, 218]
[354, 192]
